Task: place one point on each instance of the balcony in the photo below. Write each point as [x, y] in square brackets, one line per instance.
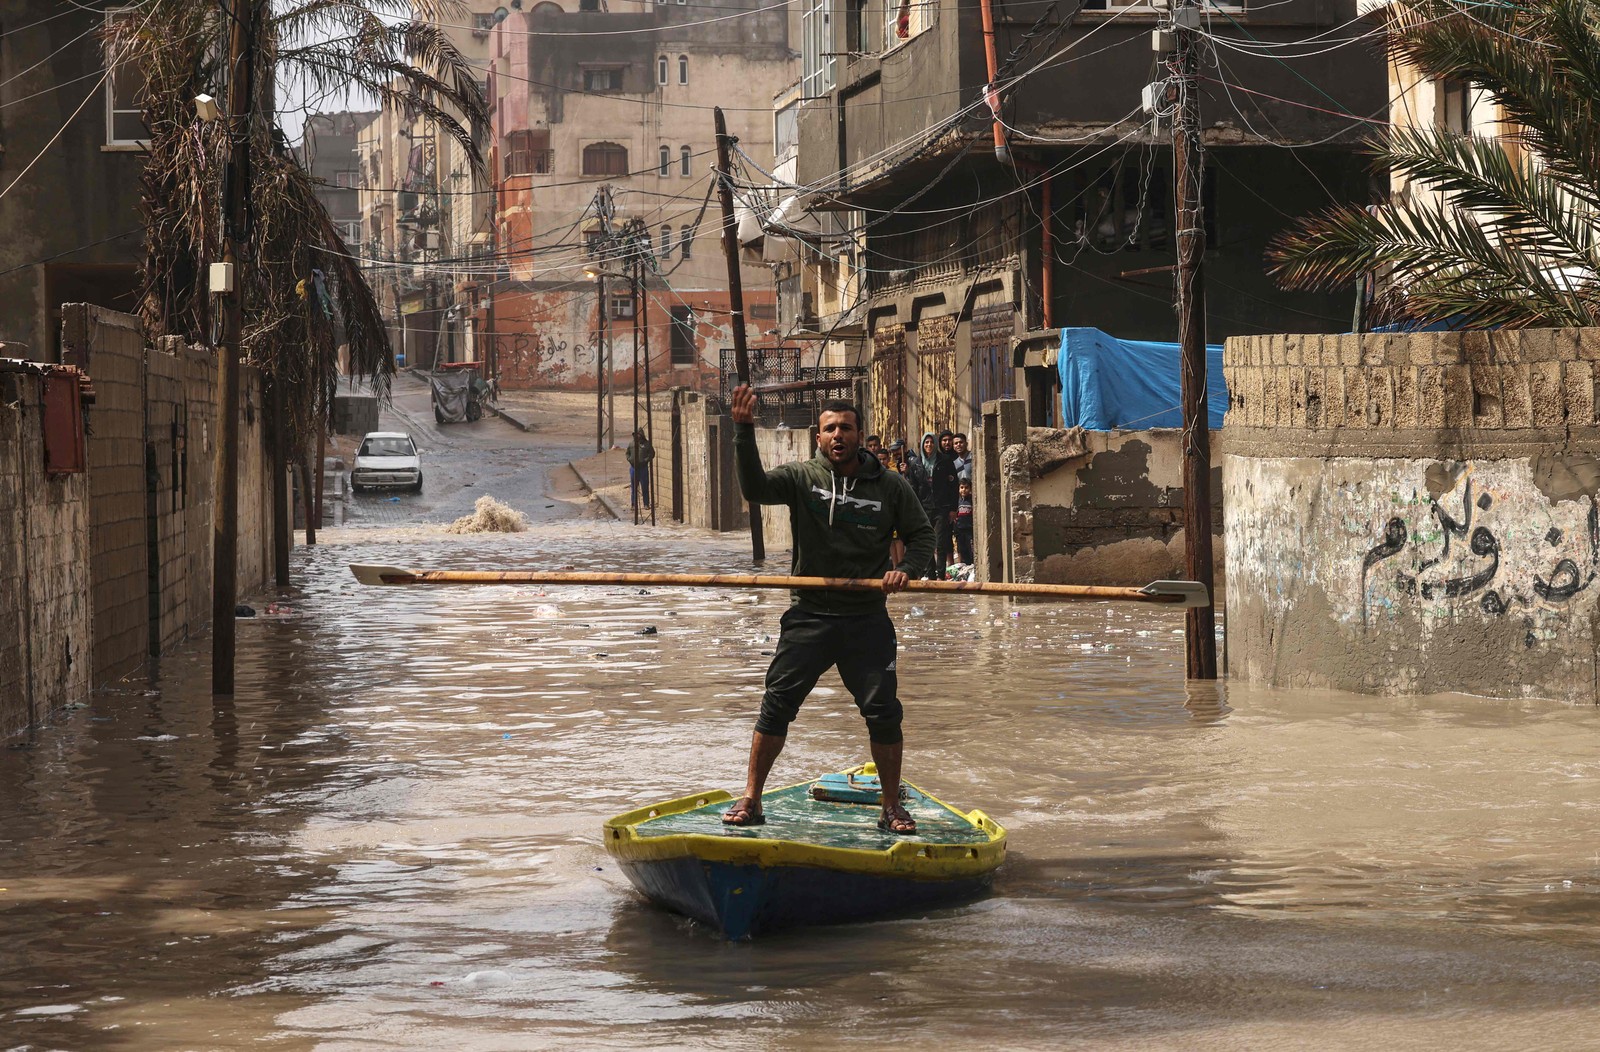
[530, 162]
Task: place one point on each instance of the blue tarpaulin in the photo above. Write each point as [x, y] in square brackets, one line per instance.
[1107, 383]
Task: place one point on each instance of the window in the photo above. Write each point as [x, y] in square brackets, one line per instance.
[685, 161]
[605, 158]
[588, 5]
[683, 69]
[786, 131]
[858, 27]
[528, 152]
[665, 166]
[482, 23]
[1453, 111]
[685, 240]
[350, 231]
[666, 242]
[621, 307]
[125, 87]
[682, 342]
[602, 79]
[661, 70]
[816, 41]
[347, 180]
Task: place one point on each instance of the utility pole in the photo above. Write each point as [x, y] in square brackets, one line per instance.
[605, 411]
[235, 226]
[600, 367]
[636, 273]
[1188, 171]
[730, 249]
[649, 417]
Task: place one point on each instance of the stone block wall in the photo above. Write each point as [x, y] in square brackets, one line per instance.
[1415, 513]
[45, 634]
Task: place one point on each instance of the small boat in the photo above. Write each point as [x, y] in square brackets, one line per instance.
[819, 859]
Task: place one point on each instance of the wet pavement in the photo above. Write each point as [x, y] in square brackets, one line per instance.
[390, 838]
[462, 462]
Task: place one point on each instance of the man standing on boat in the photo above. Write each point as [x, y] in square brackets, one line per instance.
[844, 509]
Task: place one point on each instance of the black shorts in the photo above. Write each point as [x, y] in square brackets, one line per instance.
[862, 645]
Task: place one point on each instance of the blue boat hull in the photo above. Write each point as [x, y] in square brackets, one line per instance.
[746, 900]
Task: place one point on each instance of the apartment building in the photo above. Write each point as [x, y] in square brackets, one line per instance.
[978, 231]
[602, 120]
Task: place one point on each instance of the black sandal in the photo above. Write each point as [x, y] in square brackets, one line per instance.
[897, 820]
[746, 811]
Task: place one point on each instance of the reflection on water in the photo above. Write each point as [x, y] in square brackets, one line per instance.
[389, 839]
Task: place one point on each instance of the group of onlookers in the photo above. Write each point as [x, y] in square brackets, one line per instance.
[940, 473]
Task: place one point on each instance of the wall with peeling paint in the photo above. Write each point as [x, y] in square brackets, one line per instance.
[1438, 533]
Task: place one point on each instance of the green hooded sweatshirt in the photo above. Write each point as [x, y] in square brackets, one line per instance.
[842, 525]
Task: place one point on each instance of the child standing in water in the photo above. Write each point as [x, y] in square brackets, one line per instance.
[963, 524]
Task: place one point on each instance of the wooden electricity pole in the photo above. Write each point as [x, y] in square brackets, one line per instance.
[730, 249]
[235, 229]
[1188, 168]
[640, 472]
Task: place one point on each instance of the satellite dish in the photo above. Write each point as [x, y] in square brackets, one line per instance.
[500, 15]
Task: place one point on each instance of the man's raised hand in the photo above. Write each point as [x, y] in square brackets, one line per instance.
[744, 405]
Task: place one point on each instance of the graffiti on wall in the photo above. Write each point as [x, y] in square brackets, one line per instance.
[1490, 547]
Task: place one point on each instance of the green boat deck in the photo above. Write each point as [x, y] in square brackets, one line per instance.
[792, 815]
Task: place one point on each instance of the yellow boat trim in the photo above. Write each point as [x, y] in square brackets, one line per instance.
[908, 858]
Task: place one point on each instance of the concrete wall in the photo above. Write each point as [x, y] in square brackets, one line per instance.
[781, 446]
[69, 227]
[110, 348]
[1408, 514]
[150, 485]
[45, 635]
[1114, 514]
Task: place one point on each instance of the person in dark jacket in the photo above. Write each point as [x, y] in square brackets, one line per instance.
[944, 485]
[844, 509]
[920, 465]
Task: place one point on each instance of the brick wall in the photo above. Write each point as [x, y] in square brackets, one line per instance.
[45, 638]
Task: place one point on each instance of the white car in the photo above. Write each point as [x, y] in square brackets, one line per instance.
[387, 459]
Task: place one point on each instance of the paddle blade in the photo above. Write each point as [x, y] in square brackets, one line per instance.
[1193, 592]
[382, 574]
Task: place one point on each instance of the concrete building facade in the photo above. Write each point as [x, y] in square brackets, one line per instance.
[70, 228]
[970, 246]
[328, 151]
[602, 119]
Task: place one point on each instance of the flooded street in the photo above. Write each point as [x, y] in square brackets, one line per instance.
[389, 840]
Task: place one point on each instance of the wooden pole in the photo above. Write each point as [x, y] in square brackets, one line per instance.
[1160, 592]
[1200, 633]
[600, 370]
[637, 470]
[225, 505]
[649, 416]
[730, 249]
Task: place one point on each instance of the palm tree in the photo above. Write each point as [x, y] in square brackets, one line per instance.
[299, 279]
[1509, 239]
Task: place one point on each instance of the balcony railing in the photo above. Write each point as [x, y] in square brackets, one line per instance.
[530, 162]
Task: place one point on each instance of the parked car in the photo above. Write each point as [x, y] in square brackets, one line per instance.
[387, 459]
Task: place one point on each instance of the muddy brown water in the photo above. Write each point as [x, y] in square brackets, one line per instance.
[389, 839]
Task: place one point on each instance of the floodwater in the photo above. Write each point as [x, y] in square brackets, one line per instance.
[389, 840]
